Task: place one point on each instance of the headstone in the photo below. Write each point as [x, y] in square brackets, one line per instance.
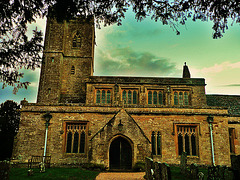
[158, 171]
[183, 163]
[200, 176]
[194, 171]
[166, 173]
[149, 167]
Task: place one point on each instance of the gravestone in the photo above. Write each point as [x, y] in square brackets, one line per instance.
[183, 163]
[149, 168]
[166, 173]
[235, 163]
[158, 171]
[194, 171]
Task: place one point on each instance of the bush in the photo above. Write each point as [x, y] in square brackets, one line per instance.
[4, 169]
[139, 166]
[94, 166]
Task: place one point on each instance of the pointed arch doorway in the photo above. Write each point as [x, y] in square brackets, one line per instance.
[120, 154]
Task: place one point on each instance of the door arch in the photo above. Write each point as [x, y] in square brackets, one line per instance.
[120, 154]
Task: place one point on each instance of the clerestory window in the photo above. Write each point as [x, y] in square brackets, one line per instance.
[155, 97]
[103, 96]
[181, 98]
[76, 137]
[130, 96]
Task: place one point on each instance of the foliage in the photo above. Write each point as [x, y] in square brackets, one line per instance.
[16, 51]
[94, 166]
[9, 122]
[53, 173]
[139, 166]
[4, 169]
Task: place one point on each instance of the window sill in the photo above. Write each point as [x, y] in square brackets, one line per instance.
[84, 155]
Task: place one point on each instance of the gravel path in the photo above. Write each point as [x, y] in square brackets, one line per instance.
[120, 176]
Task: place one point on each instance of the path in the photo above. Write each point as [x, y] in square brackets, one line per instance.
[121, 176]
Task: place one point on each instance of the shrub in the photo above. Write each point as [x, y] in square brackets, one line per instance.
[139, 166]
[94, 166]
[4, 169]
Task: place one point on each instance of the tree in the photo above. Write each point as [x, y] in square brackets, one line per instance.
[16, 51]
[9, 123]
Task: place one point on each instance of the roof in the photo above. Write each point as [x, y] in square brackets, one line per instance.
[147, 80]
[232, 102]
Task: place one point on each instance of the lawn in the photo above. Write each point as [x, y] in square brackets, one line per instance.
[53, 173]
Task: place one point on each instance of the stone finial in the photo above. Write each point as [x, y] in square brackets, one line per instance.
[24, 102]
[186, 72]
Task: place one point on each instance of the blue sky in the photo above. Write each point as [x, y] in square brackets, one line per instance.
[148, 48]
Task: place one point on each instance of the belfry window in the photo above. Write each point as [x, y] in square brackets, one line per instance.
[156, 143]
[76, 137]
[187, 139]
[103, 96]
[155, 97]
[76, 42]
[181, 98]
[72, 70]
[130, 96]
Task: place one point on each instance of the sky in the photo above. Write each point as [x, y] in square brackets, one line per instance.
[148, 48]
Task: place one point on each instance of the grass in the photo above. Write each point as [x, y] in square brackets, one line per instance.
[53, 173]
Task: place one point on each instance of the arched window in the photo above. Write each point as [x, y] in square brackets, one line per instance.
[185, 98]
[108, 97]
[180, 144]
[129, 97]
[72, 70]
[149, 97]
[103, 96]
[98, 96]
[193, 142]
[153, 143]
[69, 142]
[82, 142]
[124, 97]
[76, 42]
[175, 98]
[154, 97]
[180, 98]
[158, 143]
[160, 97]
[134, 97]
[75, 142]
[187, 148]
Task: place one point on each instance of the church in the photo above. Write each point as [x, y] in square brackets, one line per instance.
[117, 121]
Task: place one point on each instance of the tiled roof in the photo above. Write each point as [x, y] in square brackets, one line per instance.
[229, 101]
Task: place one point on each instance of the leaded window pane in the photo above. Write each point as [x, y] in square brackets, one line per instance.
[124, 97]
[193, 142]
[98, 96]
[187, 147]
[180, 144]
[69, 142]
[149, 97]
[180, 98]
[108, 97]
[154, 97]
[82, 143]
[175, 98]
[160, 98]
[75, 142]
[134, 97]
[103, 96]
[153, 144]
[129, 97]
[185, 98]
[159, 143]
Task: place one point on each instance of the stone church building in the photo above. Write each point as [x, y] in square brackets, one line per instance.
[118, 121]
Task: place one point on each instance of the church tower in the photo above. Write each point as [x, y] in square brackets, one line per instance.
[68, 59]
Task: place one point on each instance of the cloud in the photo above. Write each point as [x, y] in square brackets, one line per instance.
[233, 85]
[126, 61]
[221, 67]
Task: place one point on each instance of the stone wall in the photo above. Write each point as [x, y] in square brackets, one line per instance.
[138, 123]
